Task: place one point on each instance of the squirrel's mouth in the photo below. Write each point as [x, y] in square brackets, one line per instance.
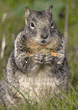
[43, 41]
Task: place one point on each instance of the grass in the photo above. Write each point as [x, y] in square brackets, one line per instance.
[69, 102]
[13, 24]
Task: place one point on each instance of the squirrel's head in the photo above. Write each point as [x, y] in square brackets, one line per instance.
[39, 25]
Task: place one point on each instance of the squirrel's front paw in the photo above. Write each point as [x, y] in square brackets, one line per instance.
[38, 58]
[48, 58]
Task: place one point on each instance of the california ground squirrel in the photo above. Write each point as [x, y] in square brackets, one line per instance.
[38, 59]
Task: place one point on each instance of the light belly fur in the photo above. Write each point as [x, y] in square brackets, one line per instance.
[34, 87]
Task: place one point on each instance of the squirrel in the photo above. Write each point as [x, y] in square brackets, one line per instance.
[38, 58]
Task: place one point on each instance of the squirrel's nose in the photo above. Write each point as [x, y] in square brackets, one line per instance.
[44, 36]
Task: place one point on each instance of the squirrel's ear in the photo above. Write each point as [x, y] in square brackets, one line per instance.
[27, 13]
[50, 9]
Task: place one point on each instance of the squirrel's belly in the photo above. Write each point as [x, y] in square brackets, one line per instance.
[34, 87]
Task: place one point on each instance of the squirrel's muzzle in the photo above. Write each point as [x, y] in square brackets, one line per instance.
[44, 36]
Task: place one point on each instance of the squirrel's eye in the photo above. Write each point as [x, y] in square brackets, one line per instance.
[32, 25]
[52, 25]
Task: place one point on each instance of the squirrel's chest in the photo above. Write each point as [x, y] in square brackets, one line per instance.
[42, 70]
